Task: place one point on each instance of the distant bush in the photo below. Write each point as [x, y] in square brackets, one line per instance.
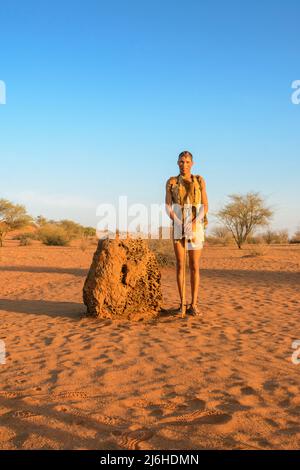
[254, 239]
[89, 232]
[25, 240]
[28, 235]
[73, 229]
[12, 217]
[275, 237]
[283, 236]
[220, 236]
[296, 237]
[84, 244]
[41, 221]
[210, 240]
[163, 250]
[53, 234]
[258, 250]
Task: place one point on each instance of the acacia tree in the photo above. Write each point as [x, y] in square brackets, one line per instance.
[243, 214]
[73, 229]
[89, 232]
[12, 217]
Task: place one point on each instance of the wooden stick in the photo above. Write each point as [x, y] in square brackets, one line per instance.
[183, 293]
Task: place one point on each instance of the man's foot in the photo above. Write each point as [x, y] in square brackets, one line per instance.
[178, 310]
[194, 310]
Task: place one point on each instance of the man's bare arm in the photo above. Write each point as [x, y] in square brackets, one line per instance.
[204, 197]
[204, 201]
[168, 203]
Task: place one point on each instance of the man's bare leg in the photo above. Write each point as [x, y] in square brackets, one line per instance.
[194, 262]
[179, 253]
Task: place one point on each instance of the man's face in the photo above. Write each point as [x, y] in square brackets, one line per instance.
[185, 164]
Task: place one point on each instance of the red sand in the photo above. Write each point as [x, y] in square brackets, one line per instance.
[226, 381]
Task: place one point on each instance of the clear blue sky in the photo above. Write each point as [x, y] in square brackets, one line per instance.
[102, 96]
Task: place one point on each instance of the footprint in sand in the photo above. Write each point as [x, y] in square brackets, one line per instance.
[248, 331]
[184, 330]
[270, 385]
[102, 356]
[156, 412]
[48, 341]
[196, 404]
[238, 307]
[170, 394]
[161, 370]
[248, 391]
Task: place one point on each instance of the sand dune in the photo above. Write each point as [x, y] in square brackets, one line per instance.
[226, 381]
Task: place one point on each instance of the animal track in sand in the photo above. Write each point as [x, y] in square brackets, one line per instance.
[132, 440]
[24, 414]
[71, 410]
[142, 403]
[11, 394]
[200, 414]
[206, 416]
[110, 420]
[71, 394]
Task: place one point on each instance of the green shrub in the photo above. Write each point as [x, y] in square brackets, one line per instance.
[54, 235]
[28, 235]
[73, 229]
[89, 232]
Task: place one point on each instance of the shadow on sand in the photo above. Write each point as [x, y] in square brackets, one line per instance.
[45, 269]
[71, 310]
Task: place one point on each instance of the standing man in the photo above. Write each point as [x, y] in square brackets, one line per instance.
[187, 191]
